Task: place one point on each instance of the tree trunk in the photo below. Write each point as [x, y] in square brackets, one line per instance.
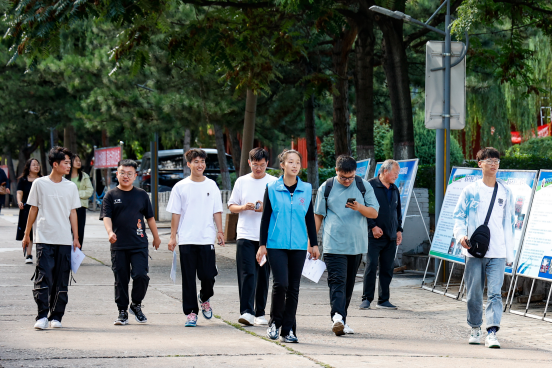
[25, 152]
[221, 154]
[186, 147]
[13, 177]
[312, 153]
[364, 88]
[43, 166]
[236, 150]
[70, 138]
[395, 65]
[248, 131]
[340, 56]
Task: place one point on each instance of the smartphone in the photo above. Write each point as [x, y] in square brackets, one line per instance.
[468, 243]
[257, 205]
[351, 200]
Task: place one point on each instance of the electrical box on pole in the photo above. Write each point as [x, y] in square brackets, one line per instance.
[434, 80]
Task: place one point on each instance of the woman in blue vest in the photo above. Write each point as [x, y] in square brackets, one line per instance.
[287, 225]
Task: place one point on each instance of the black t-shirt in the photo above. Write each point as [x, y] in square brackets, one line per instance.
[24, 185]
[127, 210]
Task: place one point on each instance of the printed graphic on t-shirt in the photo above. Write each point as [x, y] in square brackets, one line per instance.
[139, 231]
[117, 201]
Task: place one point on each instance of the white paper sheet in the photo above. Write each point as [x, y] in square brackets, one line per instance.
[77, 256]
[173, 268]
[312, 269]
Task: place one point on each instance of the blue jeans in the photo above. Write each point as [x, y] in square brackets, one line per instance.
[476, 270]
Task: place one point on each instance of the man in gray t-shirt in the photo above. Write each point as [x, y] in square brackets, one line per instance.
[53, 201]
[345, 240]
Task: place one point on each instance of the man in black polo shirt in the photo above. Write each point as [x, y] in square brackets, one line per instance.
[123, 211]
[384, 235]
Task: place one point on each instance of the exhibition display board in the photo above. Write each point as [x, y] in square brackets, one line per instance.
[536, 253]
[363, 167]
[521, 183]
[405, 182]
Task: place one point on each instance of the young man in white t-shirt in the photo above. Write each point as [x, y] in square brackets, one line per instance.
[470, 213]
[194, 203]
[53, 201]
[246, 199]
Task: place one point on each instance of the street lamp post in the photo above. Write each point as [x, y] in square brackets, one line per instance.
[442, 146]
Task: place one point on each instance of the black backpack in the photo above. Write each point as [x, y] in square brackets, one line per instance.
[481, 237]
[329, 186]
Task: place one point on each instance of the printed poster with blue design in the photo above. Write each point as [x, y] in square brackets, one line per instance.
[535, 260]
[405, 182]
[363, 167]
[521, 183]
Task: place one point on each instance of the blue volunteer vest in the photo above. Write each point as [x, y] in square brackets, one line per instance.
[287, 228]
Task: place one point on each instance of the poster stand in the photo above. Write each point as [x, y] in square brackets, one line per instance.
[525, 313]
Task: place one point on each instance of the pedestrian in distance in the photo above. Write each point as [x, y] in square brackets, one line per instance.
[54, 201]
[194, 203]
[246, 199]
[4, 187]
[123, 211]
[31, 171]
[343, 204]
[82, 180]
[384, 236]
[486, 206]
[287, 225]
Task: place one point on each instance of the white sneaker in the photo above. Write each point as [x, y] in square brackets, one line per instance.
[41, 324]
[338, 325]
[475, 336]
[247, 319]
[348, 330]
[491, 341]
[261, 321]
[55, 324]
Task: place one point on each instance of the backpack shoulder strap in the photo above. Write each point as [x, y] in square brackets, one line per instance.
[360, 185]
[491, 205]
[327, 190]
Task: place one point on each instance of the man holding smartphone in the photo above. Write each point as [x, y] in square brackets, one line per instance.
[343, 203]
[253, 279]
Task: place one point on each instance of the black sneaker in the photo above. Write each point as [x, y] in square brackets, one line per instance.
[136, 309]
[29, 260]
[122, 319]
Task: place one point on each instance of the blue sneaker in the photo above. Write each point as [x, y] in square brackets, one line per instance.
[272, 332]
[290, 338]
[191, 321]
[205, 308]
[386, 305]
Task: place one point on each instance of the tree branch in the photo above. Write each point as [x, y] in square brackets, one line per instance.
[522, 3]
[230, 4]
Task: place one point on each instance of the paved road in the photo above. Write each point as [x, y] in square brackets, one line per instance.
[427, 331]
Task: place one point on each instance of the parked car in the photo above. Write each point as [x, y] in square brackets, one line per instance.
[171, 168]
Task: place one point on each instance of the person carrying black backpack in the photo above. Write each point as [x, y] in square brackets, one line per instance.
[344, 203]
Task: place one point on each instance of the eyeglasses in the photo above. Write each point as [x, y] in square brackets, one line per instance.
[491, 162]
[346, 178]
[255, 166]
[126, 174]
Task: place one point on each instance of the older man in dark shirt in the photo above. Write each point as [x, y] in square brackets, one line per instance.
[384, 235]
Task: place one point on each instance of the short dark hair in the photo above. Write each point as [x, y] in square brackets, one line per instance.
[128, 163]
[487, 152]
[195, 153]
[345, 164]
[257, 154]
[57, 154]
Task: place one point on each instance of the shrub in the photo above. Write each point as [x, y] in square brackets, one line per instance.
[541, 147]
[327, 148]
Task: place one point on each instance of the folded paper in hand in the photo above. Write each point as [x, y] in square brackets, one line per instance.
[313, 269]
[77, 256]
[173, 269]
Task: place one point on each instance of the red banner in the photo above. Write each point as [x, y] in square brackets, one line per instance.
[107, 157]
[542, 131]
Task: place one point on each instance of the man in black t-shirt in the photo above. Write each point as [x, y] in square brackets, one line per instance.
[123, 211]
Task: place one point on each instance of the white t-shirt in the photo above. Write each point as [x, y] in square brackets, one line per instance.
[249, 190]
[195, 202]
[497, 246]
[55, 202]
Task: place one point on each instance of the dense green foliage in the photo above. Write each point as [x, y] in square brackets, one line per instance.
[538, 147]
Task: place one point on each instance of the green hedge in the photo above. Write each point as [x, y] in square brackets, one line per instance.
[539, 147]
